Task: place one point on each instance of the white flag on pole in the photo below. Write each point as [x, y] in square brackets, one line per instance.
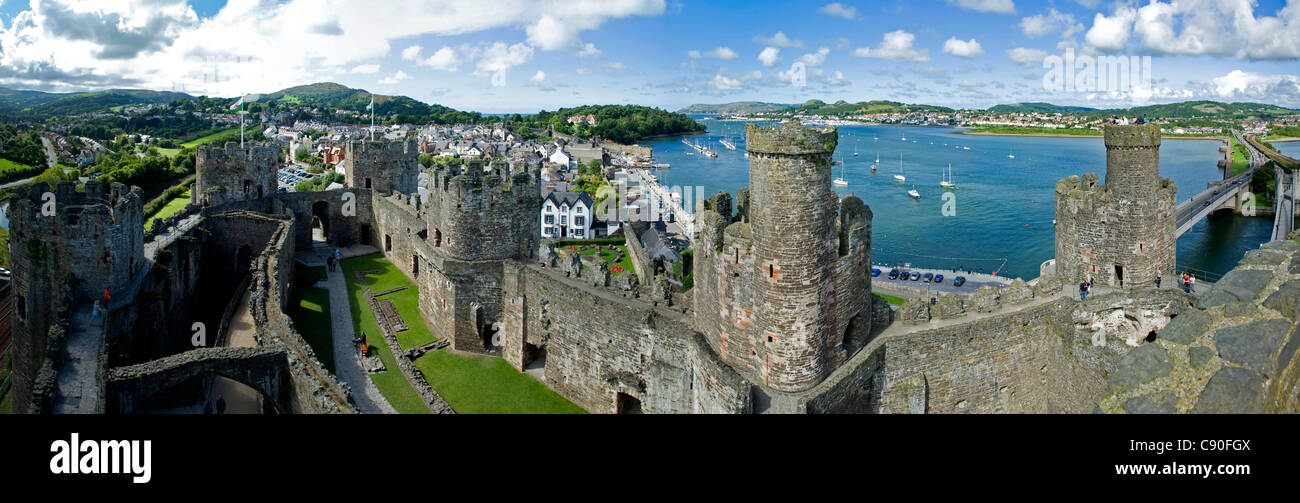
[371, 106]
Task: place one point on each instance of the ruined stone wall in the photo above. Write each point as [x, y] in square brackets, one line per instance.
[599, 343]
[343, 229]
[93, 241]
[230, 173]
[382, 165]
[474, 215]
[1123, 232]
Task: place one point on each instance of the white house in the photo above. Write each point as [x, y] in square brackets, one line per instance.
[561, 157]
[567, 215]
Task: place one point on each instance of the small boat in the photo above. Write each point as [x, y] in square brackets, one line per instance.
[946, 182]
[904, 138]
[914, 193]
[841, 182]
[729, 145]
[855, 148]
[873, 166]
[900, 176]
[965, 148]
[1011, 154]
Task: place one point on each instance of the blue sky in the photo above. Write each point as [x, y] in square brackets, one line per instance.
[521, 56]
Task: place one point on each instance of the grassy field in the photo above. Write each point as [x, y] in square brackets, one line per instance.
[1032, 131]
[893, 301]
[168, 152]
[231, 134]
[173, 207]
[310, 310]
[469, 383]
[7, 166]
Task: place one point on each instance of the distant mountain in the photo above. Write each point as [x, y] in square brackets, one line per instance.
[736, 108]
[43, 104]
[1039, 107]
[819, 107]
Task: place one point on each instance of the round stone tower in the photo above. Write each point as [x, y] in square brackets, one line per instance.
[792, 218]
[1120, 233]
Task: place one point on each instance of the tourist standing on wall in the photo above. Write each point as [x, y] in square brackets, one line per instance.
[1083, 291]
[1191, 283]
[1158, 276]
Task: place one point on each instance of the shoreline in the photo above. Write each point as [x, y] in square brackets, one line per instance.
[1047, 135]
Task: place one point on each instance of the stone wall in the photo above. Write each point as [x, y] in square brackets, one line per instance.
[1120, 233]
[262, 368]
[599, 343]
[473, 215]
[230, 173]
[382, 165]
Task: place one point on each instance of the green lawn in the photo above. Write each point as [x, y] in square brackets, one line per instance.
[173, 207]
[7, 166]
[310, 310]
[168, 152]
[625, 264]
[231, 134]
[478, 384]
[469, 383]
[893, 301]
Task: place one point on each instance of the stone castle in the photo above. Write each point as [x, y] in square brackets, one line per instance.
[781, 319]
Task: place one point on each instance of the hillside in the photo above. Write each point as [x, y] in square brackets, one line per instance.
[620, 123]
[736, 108]
[1205, 109]
[340, 97]
[37, 104]
[818, 107]
[1038, 107]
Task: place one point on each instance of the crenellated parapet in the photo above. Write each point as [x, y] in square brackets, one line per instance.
[385, 166]
[230, 173]
[480, 213]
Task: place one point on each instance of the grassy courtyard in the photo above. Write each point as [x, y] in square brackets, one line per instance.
[469, 383]
[615, 268]
[310, 310]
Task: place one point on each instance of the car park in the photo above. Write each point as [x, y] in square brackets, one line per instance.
[875, 272]
[915, 276]
[893, 274]
[938, 278]
[928, 277]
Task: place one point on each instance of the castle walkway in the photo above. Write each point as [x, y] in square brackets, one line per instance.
[347, 365]
[78, 380]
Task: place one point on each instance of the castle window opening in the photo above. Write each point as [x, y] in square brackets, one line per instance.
[437, 237]
[248, 184]
[388, 243]
[415, 266]
[771, 271]
[1119, 275]
[626, 404]
[22, 308]
[368, 183]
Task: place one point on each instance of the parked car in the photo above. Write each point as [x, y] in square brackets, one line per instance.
[928, 277]
[959, 281]
[916, 275]
[938, 278]
[893, 274]
[4, 273]
[875, 272]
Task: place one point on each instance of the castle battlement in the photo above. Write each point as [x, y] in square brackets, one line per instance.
[790, 138]
[385, 166]
[261, 152]
[402, 147]
[1120, 233]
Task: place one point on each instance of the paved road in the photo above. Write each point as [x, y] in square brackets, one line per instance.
[907, 288]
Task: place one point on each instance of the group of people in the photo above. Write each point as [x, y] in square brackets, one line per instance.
[332, 261]
[1124, 121]
[221, 406]
[1187, 281]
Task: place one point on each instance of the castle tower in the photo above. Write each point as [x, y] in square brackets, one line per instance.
[1120, 233]
[230, 173]
[92, 240]
[793, 214]
[383, 166]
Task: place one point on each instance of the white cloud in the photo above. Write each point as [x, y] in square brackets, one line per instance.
[1027, 57]
[258, 44]
[365, 69]
[589, 51]
[814, 59]
[963, 49]
[769, 56]
[722, 82]
[538, 77]
[397, 77]
[839, 10]
[998, 6]
[831, 79]
[896, 46]
[1052, 21]
[1238, 85]
[617, 65]
[498, 58]
[444, 59]
[724, 53]
[411, 53]
[778, 40]
[1111, 33]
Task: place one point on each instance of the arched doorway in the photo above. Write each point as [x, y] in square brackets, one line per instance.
[320, 222]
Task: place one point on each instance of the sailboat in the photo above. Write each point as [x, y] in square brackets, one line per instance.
[1011, 154]
[914, 193]
[841, 182]
[873, 166]
[855, 148]
[900, 176]
[946, 182]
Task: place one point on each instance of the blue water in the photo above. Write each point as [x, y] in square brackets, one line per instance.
[1290, 148]
[1004, 207]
